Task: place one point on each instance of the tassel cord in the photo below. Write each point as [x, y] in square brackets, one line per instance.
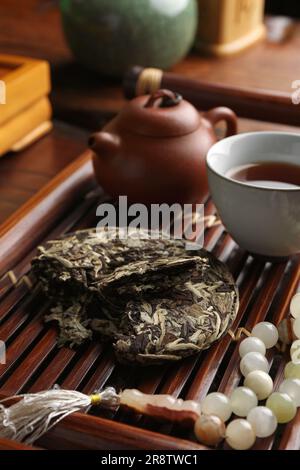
[34, 414]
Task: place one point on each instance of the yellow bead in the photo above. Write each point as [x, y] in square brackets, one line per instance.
[260, 382]
[292, 371]
[242, 401]
[292, 388]
[282, 406]
[295, 351]
[296, 327]
[285, 331]
[217, 404]
[295, 306]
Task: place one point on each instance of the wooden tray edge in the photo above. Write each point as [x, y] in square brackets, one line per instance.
[43, 210]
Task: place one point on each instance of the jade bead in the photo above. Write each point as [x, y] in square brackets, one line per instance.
[285, 331]
[253, 361]
[267, 332]
[282, 406]
[295, 351]
[252, 344]
[292, 371]
[263, 421]
[217, 404]
[242, 400]
[260, 382]
[240, 434]
[209, 430]
[292, 388]
[295, 306]
[296, 327]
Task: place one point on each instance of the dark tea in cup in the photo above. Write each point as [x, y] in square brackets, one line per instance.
[277, 175]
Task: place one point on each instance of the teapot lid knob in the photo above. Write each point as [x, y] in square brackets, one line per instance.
[163, 99]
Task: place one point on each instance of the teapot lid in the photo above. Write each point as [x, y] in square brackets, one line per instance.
[162, 114]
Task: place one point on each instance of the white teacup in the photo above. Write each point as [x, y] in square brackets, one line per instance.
[263, 220]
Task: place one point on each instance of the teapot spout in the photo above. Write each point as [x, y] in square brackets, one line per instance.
[104, 144]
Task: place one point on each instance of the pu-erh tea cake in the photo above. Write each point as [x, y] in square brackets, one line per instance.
[153, 299]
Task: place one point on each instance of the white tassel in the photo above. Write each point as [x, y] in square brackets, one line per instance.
[35, 413]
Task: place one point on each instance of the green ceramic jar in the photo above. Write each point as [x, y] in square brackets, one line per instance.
[110, 35]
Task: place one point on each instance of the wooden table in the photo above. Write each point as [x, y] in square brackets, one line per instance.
[23, 174]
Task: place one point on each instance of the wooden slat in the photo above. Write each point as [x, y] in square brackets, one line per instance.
[88, 432]
[82, 367]
[14, 384]
[6, 444]
[49, 377]
[22, 342]
[101, 374]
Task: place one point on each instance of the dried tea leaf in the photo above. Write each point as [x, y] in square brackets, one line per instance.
[72, 322]
[156, 301]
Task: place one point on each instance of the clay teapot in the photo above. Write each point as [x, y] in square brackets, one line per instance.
[155, 150]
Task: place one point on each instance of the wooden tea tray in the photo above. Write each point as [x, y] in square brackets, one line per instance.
[34, 363]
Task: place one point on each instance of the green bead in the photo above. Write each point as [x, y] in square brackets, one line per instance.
[110, 35]
[292, 371]
[282, 406]
[295, 351]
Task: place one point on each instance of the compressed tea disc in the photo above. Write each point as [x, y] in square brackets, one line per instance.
[152, 298]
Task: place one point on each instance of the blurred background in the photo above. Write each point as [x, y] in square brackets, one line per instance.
[82, 93]
[278, 7]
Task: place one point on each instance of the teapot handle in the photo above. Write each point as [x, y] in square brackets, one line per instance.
[223, 114]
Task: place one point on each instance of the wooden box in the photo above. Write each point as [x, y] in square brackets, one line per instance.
[25, 109]
[229, 26]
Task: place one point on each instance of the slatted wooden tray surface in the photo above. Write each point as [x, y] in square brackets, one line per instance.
[34, 362]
